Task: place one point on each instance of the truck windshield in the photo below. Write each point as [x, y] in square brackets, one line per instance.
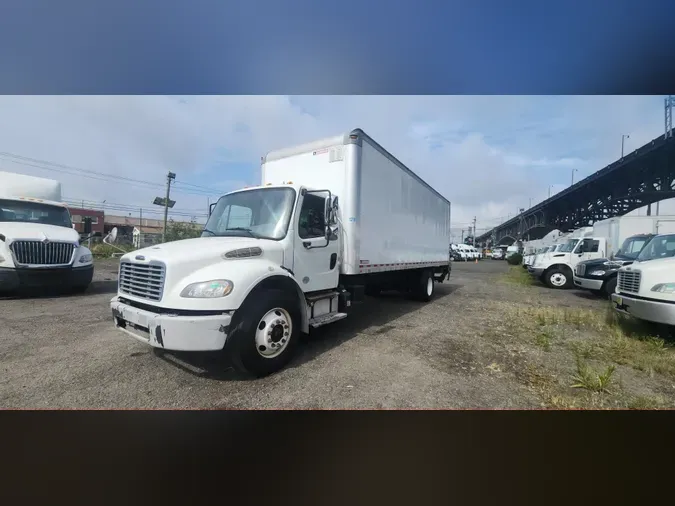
[568, 246]
[22, 211]
[661, 246]
[264, 213]
[631, 247]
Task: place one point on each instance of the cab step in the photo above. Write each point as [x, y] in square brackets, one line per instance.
[326, 319]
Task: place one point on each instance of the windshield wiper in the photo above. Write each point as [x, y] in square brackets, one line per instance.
[244, 229]
[209, 231]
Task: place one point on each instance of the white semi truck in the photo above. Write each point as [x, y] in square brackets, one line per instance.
[38, 246]
[333, 220]
[646, 288]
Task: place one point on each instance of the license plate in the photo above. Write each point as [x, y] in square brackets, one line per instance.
[135, 318]
[619, 301]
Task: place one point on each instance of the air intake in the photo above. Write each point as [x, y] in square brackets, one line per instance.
[244, 253]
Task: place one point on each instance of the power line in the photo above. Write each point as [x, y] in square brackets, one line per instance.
[102, 176]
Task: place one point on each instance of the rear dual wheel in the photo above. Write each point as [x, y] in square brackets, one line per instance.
[424, 289]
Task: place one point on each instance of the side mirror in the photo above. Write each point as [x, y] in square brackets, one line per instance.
[211, 208]
[327, 210]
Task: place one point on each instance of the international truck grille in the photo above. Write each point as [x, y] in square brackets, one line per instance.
[42, 253]
[629, 281]
[142, 280]
[581, 270]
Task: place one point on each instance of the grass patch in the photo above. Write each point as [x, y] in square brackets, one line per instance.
[586, 377]
[519, 276]
[543, 339]
[590, 337]
[647, 402]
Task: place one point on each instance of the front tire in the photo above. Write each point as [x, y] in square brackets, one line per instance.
[558, 279]
[265, 333]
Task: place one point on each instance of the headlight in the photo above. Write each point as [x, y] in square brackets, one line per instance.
[597, 273]
[664, 288]
[208, 289]
[85, 259]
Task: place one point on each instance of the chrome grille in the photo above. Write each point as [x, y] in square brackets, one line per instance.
[581, 269]
[42, 253]
[629, 281]
[142, 280]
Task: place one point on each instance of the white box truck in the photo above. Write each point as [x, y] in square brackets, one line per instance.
[646, 288]
[38, 246]
[332, 220]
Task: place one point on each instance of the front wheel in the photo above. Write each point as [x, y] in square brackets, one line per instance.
[265, 333]
[557, 279]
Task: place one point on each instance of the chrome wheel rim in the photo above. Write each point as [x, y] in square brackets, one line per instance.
[273, 333]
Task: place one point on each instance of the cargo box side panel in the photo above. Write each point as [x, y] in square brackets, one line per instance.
[403, 222]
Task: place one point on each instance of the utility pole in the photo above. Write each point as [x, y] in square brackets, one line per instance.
[462, 236]
[623, 139]
[170, 177]
[474, 231]
[140, 217]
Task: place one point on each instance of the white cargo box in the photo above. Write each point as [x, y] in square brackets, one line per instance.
[390, 218]
[19, 185]
[616, 230]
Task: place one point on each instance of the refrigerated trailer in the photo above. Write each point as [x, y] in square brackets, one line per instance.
[332, 220]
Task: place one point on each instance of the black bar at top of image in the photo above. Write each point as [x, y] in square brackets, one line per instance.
[308, 47]
[336, 457]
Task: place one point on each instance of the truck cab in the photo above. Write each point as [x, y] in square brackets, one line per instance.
[556, 268]
[646, 288]
[600, 275]
[264, 270]
[39, 247]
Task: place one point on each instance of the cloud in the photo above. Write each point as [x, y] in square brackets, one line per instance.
[490, 155]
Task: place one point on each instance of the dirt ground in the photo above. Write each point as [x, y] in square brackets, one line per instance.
[489, 339]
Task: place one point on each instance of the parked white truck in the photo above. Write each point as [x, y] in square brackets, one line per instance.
[555, 268]
[38, 246]
[626, 236]
[646, 288]
[332, 220]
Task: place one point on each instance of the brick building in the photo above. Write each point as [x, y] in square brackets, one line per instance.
[97, 219]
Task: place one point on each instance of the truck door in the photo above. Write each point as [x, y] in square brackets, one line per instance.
[315, 260]
[588, 249]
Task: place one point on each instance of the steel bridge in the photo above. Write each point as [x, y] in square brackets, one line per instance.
[643, 177]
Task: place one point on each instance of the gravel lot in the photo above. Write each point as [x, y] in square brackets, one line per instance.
[456, 352]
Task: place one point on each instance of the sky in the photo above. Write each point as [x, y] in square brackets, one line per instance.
[489, 155]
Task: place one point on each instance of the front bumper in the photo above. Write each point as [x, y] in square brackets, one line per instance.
[588, 284]
[172, 332]
[14, 279]
[649, 310]
[536, 271]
